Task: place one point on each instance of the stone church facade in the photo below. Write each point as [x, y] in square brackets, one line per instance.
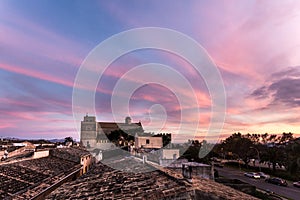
[93, 133]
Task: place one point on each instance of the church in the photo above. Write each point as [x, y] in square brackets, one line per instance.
[93, 133]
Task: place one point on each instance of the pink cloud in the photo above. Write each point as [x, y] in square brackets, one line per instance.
[5, 125]
[45, 43]
[14, 102]
[35, 74]
[33, 116]
[242, 43]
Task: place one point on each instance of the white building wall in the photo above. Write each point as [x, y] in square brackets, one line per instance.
[40, 154]
[148, 142]
[170, 153]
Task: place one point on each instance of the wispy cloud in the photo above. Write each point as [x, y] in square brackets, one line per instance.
[41, 50]
[283, 87]
[36, 74]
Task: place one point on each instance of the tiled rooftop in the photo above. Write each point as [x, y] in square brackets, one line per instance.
[25, 179]
[104, 182]
[78, 152]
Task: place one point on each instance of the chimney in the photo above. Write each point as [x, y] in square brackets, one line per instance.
[144, 159]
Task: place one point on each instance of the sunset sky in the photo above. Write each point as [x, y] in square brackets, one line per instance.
[255, 44]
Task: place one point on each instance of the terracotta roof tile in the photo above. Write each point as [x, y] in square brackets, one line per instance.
[104, 182]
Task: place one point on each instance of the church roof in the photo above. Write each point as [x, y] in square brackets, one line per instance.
[108, 127]
[117, 125]
[111, 126]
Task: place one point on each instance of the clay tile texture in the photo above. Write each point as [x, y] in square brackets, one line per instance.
[103, 182]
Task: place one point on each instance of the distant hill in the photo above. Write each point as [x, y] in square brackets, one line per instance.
[13, 139]
[56, 140]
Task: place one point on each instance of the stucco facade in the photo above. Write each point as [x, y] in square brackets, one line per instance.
[148, 142]
[170, 154]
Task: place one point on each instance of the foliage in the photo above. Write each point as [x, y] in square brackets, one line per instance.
[195, 151]
[238, 145]
[274, 149]
[192, 152]
[120, 137]
[274, 155]
[69, 140]
[293, 157]
[277, 150]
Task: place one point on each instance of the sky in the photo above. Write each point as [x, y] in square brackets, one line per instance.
[254, 44]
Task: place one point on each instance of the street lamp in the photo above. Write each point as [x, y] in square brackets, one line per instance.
[257, 156]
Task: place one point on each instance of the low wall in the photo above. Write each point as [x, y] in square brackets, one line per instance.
[166, 162]
[206, 196]
[238, 185]
[40, 154]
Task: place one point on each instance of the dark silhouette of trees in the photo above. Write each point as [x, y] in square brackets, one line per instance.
[120, 138]
[274, 155]
[124, 137]
[285, 138]
[199, 151]
[239, 145]
[274, 149]
[192, 152]
[293, 157]
[69, 140]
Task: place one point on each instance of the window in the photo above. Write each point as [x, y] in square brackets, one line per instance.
[147, 141]
[174, 156]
